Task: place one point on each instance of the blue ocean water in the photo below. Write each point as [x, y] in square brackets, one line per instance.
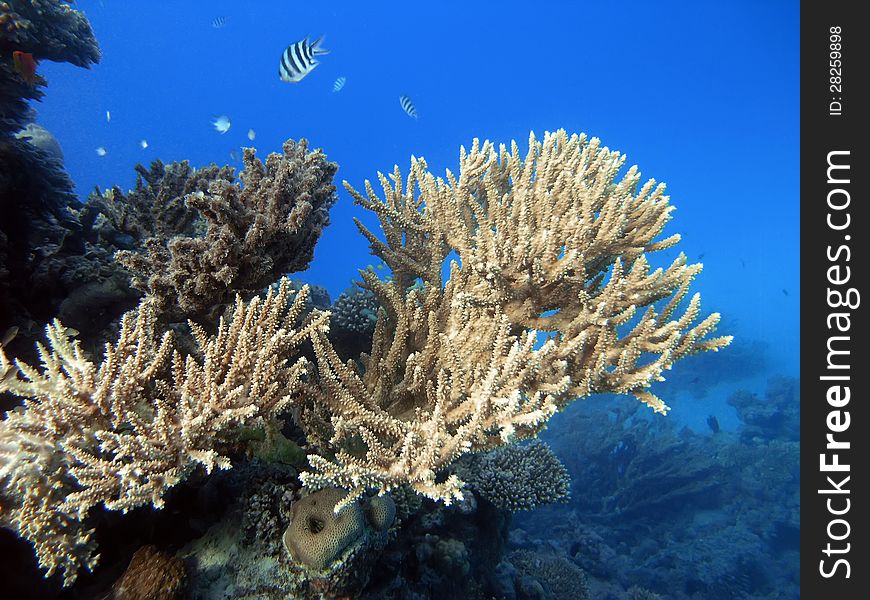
[702, 96]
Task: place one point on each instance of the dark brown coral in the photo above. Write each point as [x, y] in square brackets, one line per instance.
[250, 234]
[36, 196]
[47, 29]
[152, 575]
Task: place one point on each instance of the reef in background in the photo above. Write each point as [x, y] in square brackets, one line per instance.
[685, 515]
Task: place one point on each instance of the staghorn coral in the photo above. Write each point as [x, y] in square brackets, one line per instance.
[552, 299]
[253, 234]
[155, 208]
[517, 477]
[123, 432]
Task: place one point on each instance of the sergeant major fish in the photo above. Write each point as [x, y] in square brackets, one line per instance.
[339, 83]
[408, 106]
[299, 59]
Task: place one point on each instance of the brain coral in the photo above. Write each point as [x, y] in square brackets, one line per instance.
[316, 535]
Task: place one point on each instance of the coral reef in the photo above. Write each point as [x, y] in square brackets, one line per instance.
[775, 417]
[413, 454]
[49, 30]
[556, 577]
[726, 505]
[253, 233]
[517, 477]
[151, 575]
[123, 432]
[552, 249]
[36, 195]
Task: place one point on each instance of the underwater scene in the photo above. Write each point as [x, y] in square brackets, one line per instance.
[360, 300]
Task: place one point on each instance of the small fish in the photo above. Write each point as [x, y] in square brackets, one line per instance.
[251, 134]
[701, 256]
[72, 331]
[299, 59]
[339, 83]
[713, 423]
[218, 22]
[233, 156]
[742, 263]
[9, 335]
[222, 124]
[102, 151]
[380, 267]
[144, 144]
[10, 374]
[408, 106]
[108, 117]
[25, 66]
[785, 291]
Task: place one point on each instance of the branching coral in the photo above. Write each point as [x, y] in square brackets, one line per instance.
[123, 432]
[253, 233]
[155, 207]
[552, 298]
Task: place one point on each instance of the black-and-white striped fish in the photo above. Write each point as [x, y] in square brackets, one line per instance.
[299, 59]
[339, 83]
[408, 106]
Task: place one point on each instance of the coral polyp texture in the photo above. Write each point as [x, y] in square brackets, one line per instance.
[317, 534]
[253, 233]
[125, 431]
[552, 298]
[517, 477]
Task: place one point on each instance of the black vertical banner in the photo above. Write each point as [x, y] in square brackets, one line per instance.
[835, 433]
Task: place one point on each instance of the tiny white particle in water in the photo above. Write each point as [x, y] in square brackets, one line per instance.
[144, 144]
[101, 151]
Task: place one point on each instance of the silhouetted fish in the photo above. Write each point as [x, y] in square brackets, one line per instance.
[9, 335]
[785, 291]
[713, 423]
